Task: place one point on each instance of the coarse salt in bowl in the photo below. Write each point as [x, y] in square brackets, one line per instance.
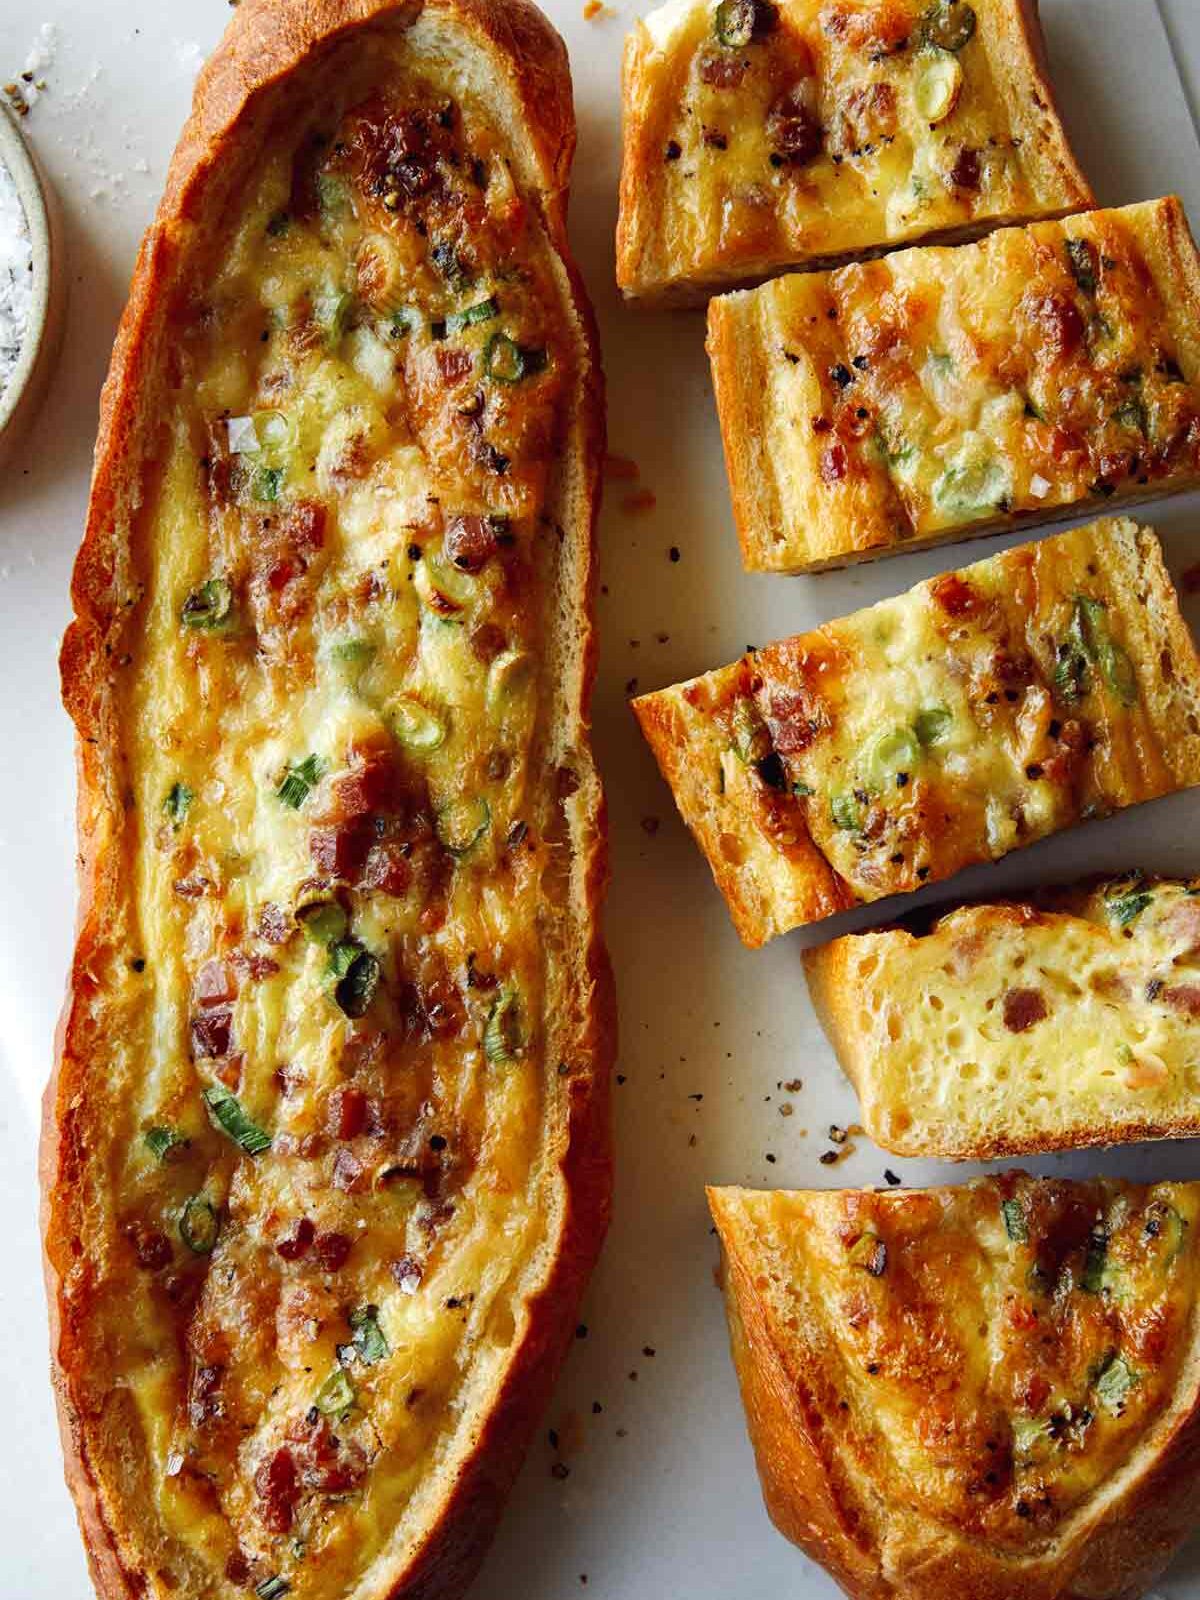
[32, 285]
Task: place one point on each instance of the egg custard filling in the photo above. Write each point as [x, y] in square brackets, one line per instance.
[333, 716]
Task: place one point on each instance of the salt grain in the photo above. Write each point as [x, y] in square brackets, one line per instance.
[16, 277]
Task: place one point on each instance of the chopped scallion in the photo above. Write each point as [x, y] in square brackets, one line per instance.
[175, 806]
[299, 780]
[336, 1395]
[159, 1141]
[199, 1225]
[503, 1037]
[227, 1113]
[210, 607]
[484, 311]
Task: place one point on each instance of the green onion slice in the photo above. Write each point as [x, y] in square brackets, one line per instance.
[324, 921]
[1095, 1261]
[299, 781]
[505, 361]
[462, 823]
[948, 25]
[933, 724]
[1014, 1221]
[274, 430]
[845, 812]
[370, 1344]
[266, 483]
[273, 1588]
[227, 1113]
[159, 1141]
[751, 740]
[737, 22]
[210, 606]
[175, 806]
[199, 1225]
[1127, 908]
[416, 726]
[336, 1395]
[1115, 1381]
[483, 312]
[503, 1036]
[891, 752]
[356, 989]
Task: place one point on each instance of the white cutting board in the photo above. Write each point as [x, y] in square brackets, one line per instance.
[661, 1501]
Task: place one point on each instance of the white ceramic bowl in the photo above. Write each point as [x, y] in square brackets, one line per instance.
[43, 336]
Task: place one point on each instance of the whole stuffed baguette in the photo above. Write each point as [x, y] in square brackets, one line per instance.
[326, 1152]
[761, 136]
[1070, 1019]
[980, 711]
[991, 1390]
[941, 394]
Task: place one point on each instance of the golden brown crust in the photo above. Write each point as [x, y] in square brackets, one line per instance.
[798, 511]
[865, 1532]
[781, 849]
[258, 67]
[654, 262]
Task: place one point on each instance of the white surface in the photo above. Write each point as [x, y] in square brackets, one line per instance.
[661, 1502]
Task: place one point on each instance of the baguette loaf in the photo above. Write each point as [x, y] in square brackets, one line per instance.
[760, 136]
[1072, 1019]
[988, 1391]
[326, 1147]
[941, 394]
[980, 711]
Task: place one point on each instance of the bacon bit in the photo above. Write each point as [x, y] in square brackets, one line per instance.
[1023, 1008]
[955, 595]
[214, 985]
[332, 1249]
[255, 967]
[454, 365]
[371, 785]
[276, 1486]
[327, 1463]
[274, 925]
[722, 71]
[238, 1568]
[212, 1032]
[386, 869]
[340, 851]
[621, 469]
[347, 1171]
[153, 1249]
[793, 127]
[229, 1071]
[487, 642]
[964, 174]
[833, 462]
[1183, 997]
[1190, 579]
[193, 887]
[470, 542]
[1057, 319]
[204, 1400]
[640, 500]
[408, 1274]
[295, 1244]
[345, 1115]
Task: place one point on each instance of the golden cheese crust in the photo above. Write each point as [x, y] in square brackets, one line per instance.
[941, 394]
[326, 1150]
[1003, 1029]
[760, 136]
[988, 1390]
[980, 711]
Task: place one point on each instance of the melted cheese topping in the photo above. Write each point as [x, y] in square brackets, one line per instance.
[1011, 1023]
[978, 712]
[330, 1178]
[988, 1356]
[816, 129]
[938, 389]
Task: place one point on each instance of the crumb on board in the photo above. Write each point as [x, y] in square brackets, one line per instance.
[623, 469]
[640, 500]
[1190, 579]
[594, 10]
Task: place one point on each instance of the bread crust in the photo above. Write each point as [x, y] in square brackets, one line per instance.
[654, 270]
[1111, 1548]
[760, 841]
[790, 519]
[260, 63]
